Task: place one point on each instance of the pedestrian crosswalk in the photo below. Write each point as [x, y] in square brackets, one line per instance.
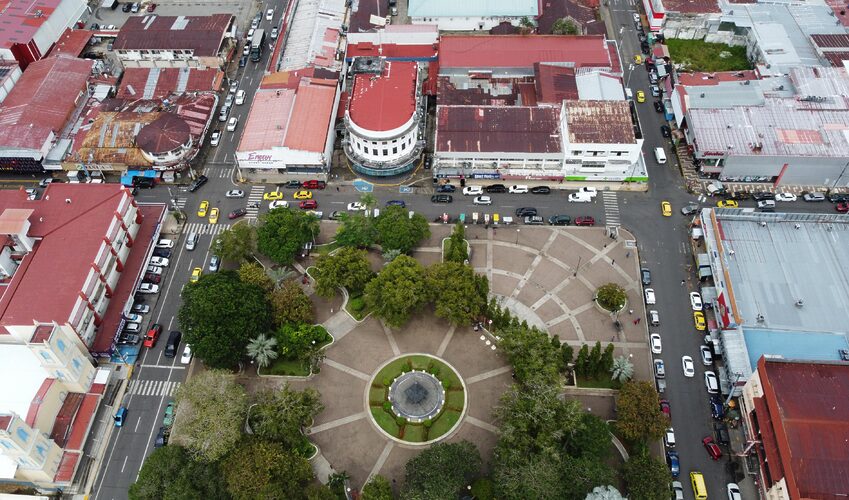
[224, 173]
[181, 202]
[153, 387]
[255, 198]
[611, 208]
[202, 228]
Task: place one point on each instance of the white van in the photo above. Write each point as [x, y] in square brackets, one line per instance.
[580, 198]
[660, 155]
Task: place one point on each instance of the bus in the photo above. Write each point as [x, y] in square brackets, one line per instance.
[256, 45]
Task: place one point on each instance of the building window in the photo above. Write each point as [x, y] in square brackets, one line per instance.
[385, 152]
[46, 356]
[395, 150]
[76, 363]
[374, 152]
[61, 345]
[577, 153]
[23, 435]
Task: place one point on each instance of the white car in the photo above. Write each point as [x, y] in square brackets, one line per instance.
[133, 317]
[669, 438]
[247, 49]
[696, 301]
[186, 358]
[215, 138]
[656, 346]
[711, 382]
[251, 34]
[278, 204]
[154, 270]
[659, 370]
[785, 197]
[158, 261]
[518, 189]
[472, 191]
[707, 356]
[483, 200]
[274, 33]
[733, 492]
[579, 198]
[636, 17]
[235, 193]
[593, 192]
[165, 243]
[231, 125]
[228, 101]
[654, 318]
[689, 368]
[356, 206]
[240, 97]
[148, 288]
[677, 487]
[650, 298]
[269, 14]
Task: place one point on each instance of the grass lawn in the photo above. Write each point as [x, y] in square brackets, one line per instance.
[454, 399]
[327, 247]
[698, 55]
[356, 306]
[414, 433]
[376, 395]
[385, 420]
[444, 423]
[294, 367]
[601, 383]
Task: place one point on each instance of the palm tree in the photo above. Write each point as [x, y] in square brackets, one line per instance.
[368, 200]
[622, 369]
[261, 349]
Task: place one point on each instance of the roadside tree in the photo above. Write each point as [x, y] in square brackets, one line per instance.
[236, 243]
[441, 471]
[458, 292]
[254, 273]
[532, 355]
[639, 418]
[397, 291]
[647, 478]
[289, 304]
[211, 407]
[282, 233]
[377, 488]
[347, 267]
[455, 247]
[264, 469]
[219, 314]
[356, 231]
[281, 415]
[398, 231]
[171, 473]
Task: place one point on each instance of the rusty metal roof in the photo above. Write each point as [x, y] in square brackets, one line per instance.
[201, 34]
[498, 129]
[809, 418]
[599, 122]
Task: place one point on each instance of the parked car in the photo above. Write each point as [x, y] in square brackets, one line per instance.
[482, 200]
[240, 97]
[446, 188]
[654, 318]
[706, 355]
[356, 206]
[559, 220]
[669, 438]
[720, 432]
[584, 220]
[152, 278]
[472, 191]
[687, 365]
[712, 448]
[314, 184]
[308, 205]
[727, 204]
[214, 263]
[526, 212]
[173, 342]
[838, 198]
[813, 197]
[696, 301]
[165, 243]
[711, 382]
[215, 138]
[534, 220]
[159, 261]
[659, 370]
[161, 437]
[441, 198]
[120, 416]
[842, 207]
[674, 463]
[197, 183]
[186, 358]
[336, 215]
[785, 197]
[152, 335]
[699, 320]
[128, 339]
[148, 288]
[518, 189]
[650, 297]
[293, 184]
[162, 252]
[496, 188]
[274, 33]
[151, 7]
[665, 408]
[140, 308]
[132, 327]
[763, 196]
[677, 490]
[153, 270]
[645, 276]
[541, 190]
[689, 209]
[302, 194]
[665, 131]
[243, 61]
[658, 106]
[396, 203]
[272, 195]
[232, 124]
[656, 345]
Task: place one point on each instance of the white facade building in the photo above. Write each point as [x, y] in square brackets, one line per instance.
[471, 15]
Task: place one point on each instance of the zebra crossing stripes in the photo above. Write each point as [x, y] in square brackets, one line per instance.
[153, 387]
[226, 172]
[611, 208]
[202, 228]
[181, 202]
[255, 197]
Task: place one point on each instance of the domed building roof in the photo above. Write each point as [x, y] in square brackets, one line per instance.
[166, 133]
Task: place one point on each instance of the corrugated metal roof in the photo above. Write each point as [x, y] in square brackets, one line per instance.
[518, 51]
[21, 19]
[386, 101]
[599, 122]
[498, 129]
[201, 34]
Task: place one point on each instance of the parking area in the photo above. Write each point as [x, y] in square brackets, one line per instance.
[244, 10]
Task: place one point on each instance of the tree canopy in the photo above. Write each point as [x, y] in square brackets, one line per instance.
[398, 231]
[280, 415]
[441, 471]
[289, 304]
[169, 473]
[211, 407]
[377, 488]
[283, 232]
[458, 292]
[236, 243]
[397, 291]
[638, 412]
[455, 249]
[259, 469]
[564, 26]
[219, 314]
[647, 478]
[295, 340]
[357, 231]
[254, 273]
[533, 356]
[347, 267]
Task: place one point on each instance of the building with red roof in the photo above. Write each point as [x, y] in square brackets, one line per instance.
[10, 73]
[161, 83]
[72, 42]
[796, 419]
[29, 28]
[383, 123]
[396, 42]
[38, 108]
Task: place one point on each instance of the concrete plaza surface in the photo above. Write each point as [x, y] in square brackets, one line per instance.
[545, 275]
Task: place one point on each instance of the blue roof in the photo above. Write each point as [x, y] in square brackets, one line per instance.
[809, 346]
[472, 8]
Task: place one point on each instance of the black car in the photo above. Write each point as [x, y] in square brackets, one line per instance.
[541, 190]
[128, 339]
[645, 276]
[838, 198]
[127, 7]
[197, 183]
[173, 342]
[396, 203]
[559, 220]
[292, 185]
[737, 195]
[665, 131]
[496, 188]
[427, 162]
[446, 188]
[716, 408]
[162, 437]
[441, 198]
[721, 433]
[644, 47]
[535, 220]
[162, 252]
[763, 196]
[658, 106]
[526, 212]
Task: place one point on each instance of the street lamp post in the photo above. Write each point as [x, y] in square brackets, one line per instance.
[517, 235]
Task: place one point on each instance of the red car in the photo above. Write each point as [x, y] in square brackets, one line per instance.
[151, 7]
[152, 335]
[308, 204]
[235, 214]
[712, 448]
[665, 408]
[314, 184]
[842, 207]
[584, 221]
[152, 278]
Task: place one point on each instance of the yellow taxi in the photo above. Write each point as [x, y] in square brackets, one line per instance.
[273, 195]
[196, 272]
[638, 59]
[641, 96]
[666, 208]
[699, 320]
[213, 216]
[727, 204]
[204, 206]
[303, 195]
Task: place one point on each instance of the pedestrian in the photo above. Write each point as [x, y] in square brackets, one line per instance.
[683, 282]
[627, 255]
[630, 311]
[612, 261]
[638, 321]
[337, 189]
